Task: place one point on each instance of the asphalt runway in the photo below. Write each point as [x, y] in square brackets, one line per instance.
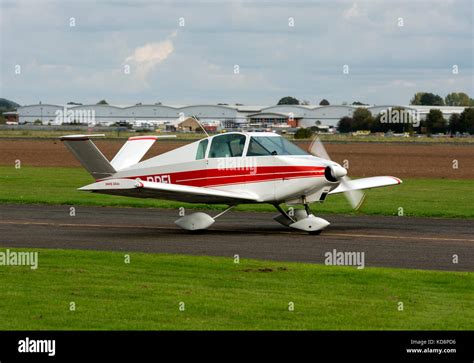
[405, 242]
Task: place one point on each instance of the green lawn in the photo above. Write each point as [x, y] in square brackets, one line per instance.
[219, 294]
[417, 197]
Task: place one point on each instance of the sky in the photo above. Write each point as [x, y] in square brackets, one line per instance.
[249, 52]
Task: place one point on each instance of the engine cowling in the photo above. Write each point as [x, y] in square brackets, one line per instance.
[334, 172]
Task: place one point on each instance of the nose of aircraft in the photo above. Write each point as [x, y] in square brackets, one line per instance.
[338, 171]
[334, 172]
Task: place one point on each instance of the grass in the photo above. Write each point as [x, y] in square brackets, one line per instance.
[417, 197]
[219, 294]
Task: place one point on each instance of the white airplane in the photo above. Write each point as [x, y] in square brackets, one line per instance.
[231, 168]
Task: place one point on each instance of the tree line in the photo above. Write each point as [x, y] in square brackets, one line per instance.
[452, 99]
[434, 122]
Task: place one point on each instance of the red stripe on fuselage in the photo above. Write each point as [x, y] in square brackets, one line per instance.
[214, 177]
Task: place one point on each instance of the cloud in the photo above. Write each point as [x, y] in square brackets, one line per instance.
[352, 12]
[403, 83]
[388, 63]
[144, 59]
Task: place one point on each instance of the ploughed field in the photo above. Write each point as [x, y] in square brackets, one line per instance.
[413, 160]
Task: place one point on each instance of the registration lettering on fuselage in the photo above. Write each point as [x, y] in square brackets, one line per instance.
[159, 179]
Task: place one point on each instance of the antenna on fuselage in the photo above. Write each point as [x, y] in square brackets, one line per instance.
[199, 123]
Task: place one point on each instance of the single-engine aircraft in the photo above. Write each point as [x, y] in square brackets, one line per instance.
[230, 168]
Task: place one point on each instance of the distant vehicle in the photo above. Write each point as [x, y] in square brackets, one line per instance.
[361, 133]
[232, 168]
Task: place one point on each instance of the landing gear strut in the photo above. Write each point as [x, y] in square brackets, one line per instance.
[199, 221]
[303, 220]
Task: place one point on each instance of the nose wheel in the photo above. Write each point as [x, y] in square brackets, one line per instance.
[304, 220]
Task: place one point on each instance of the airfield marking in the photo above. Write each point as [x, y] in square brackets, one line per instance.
[400, 237]
[248, 231]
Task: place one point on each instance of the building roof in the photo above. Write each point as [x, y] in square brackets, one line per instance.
[253, 110]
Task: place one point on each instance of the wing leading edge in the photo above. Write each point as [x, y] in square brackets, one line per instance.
[367, 183]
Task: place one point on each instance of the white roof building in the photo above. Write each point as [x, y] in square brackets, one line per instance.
[228, 115]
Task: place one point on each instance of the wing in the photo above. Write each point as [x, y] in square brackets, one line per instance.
[367, 183]
[182, 193]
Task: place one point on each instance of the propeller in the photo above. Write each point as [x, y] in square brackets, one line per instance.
[354, 197]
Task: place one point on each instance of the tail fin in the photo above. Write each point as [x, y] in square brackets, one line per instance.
[89, 155]
[97, 164]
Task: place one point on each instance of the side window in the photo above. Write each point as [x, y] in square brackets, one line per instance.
[201, 151]
[256, 149]
[231, 145]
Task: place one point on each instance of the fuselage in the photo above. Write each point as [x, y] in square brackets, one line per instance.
[264, 164]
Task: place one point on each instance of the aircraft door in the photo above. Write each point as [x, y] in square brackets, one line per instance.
[225, 162]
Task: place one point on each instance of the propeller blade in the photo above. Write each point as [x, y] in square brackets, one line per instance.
[354, 197]
[317, 149]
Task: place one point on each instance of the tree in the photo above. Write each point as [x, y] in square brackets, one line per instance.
[435, 122]
[466, 120]
[403, 122]
[426, 99]
[303, 133]
[457, 99]
[288, 100]
[454, 123]
[416, 100]
[430, 99]
[7, 105]
[345, 124]
[358, 103]
[102, 102]
[363, 119]
[324, 102]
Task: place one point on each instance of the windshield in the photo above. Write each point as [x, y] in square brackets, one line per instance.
[273, 145]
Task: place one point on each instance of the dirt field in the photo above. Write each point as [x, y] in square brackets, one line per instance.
[402, 160]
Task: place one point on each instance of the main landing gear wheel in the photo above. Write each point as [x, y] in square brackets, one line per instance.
[197, 222]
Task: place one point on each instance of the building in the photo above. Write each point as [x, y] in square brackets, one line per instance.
[11, 117]
[218, 116]
[188, 124]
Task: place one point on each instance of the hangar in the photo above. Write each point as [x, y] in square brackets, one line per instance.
[227, 116]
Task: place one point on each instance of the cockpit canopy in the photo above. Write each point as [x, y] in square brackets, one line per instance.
[240, 144]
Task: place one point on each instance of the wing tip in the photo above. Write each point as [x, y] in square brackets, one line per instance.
[398, 180]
